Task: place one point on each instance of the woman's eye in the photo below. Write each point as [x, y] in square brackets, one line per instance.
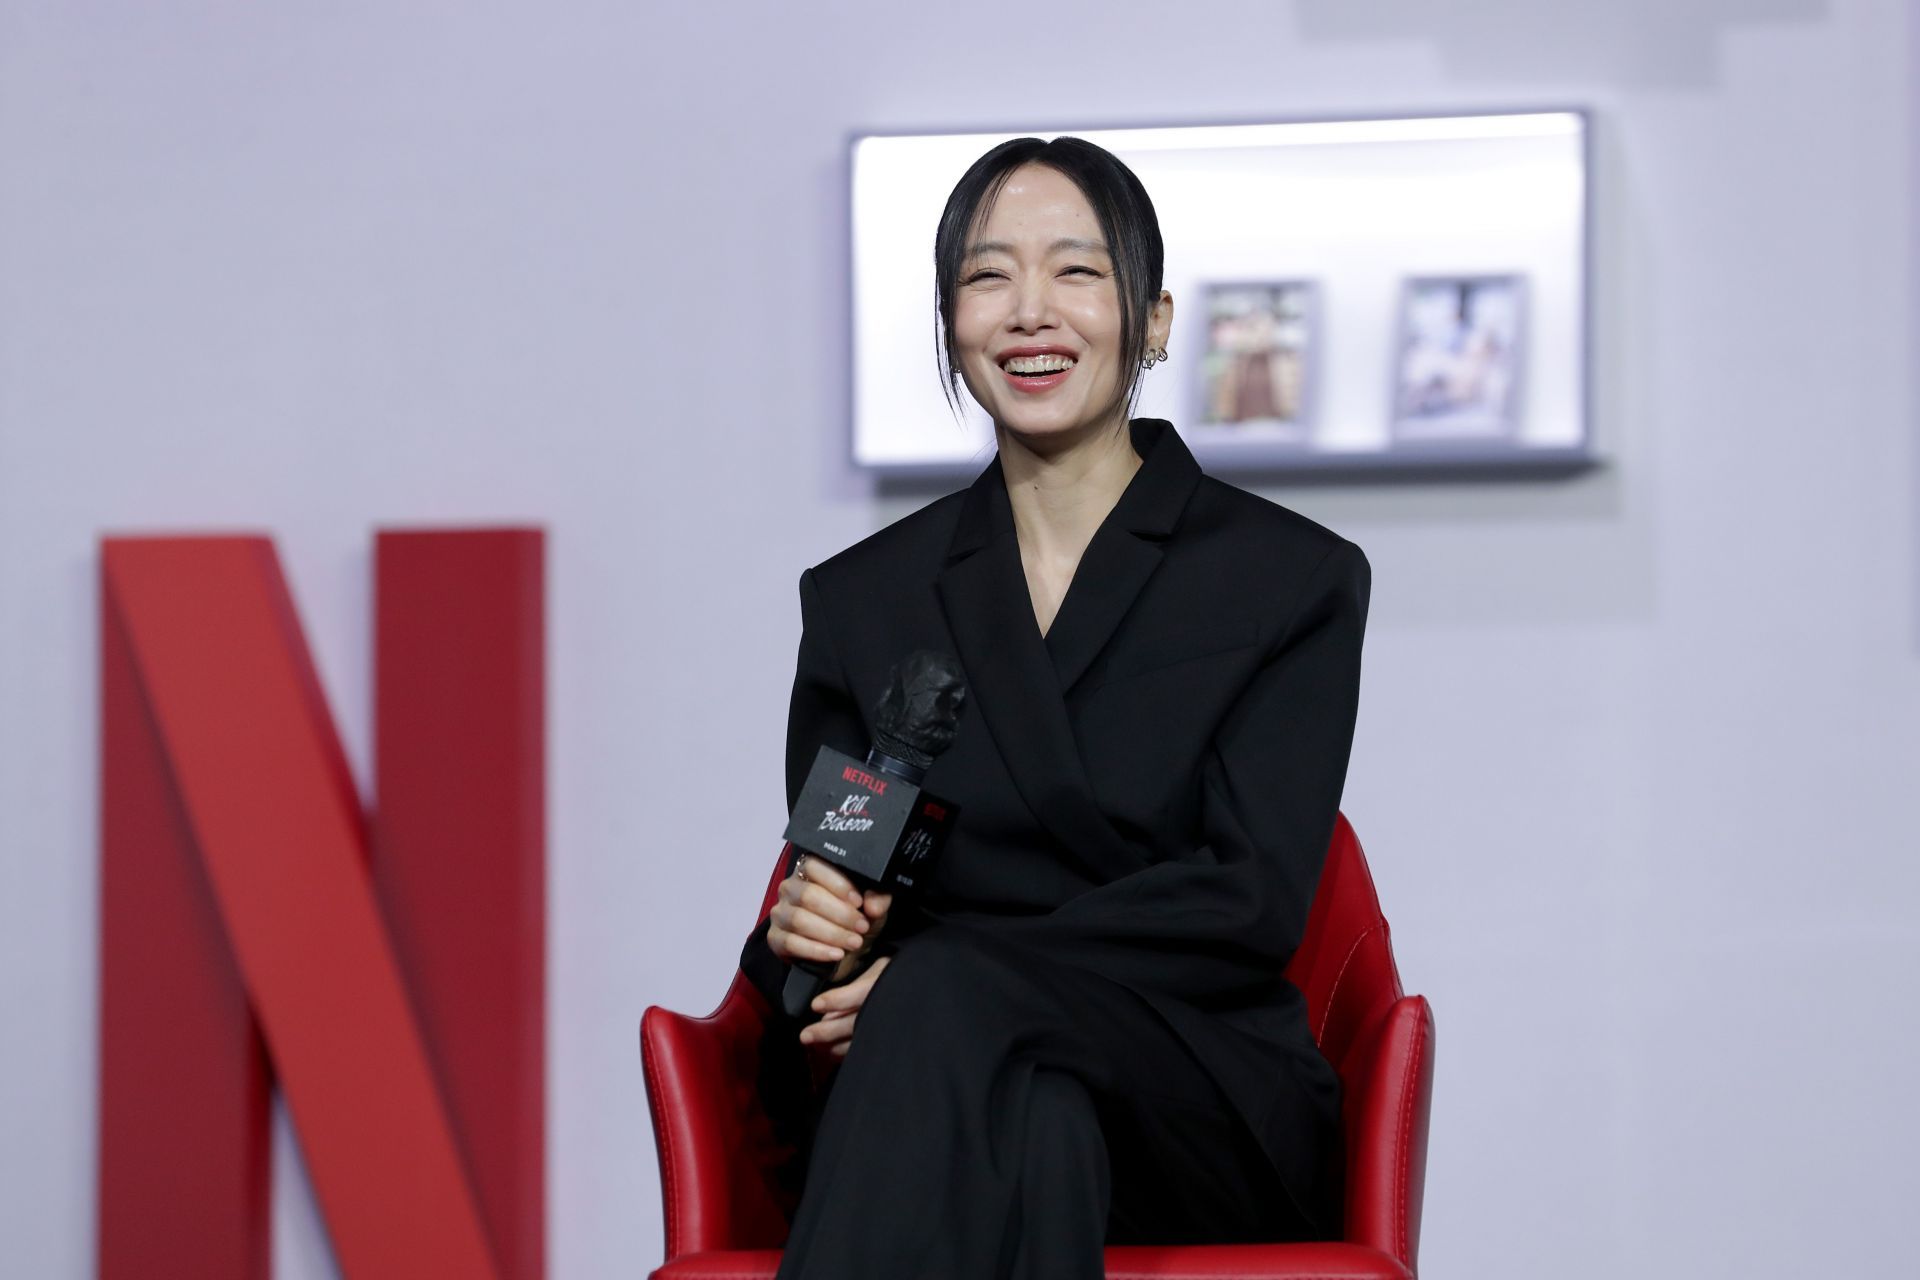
[981, 275]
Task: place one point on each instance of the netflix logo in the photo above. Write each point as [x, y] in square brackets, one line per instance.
[861, 778]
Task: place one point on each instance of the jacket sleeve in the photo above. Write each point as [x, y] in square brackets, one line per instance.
[1217, 924]
[822, 713]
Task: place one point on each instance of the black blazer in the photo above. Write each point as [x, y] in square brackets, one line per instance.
[1149, 789]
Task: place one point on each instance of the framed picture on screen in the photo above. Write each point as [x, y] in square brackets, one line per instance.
[1458, 363]
[1256, 364]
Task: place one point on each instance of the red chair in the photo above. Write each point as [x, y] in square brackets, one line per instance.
[727, 1210]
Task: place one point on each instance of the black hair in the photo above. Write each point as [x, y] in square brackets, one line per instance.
[1127, 223]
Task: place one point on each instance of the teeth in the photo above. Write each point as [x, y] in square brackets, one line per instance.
[1039, 364]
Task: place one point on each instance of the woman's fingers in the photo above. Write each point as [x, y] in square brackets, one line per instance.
[831, 1029]
[789, 945]
[850, 996]
[795, 946]
[812, 924]
[820, 899]
[839, 1007]
[829, 927]
[832, 879]
[796, 933]
[825, 916]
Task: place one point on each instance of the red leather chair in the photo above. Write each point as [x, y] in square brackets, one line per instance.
[727, 1211]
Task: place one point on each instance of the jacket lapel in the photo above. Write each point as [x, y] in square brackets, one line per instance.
[1018, 678]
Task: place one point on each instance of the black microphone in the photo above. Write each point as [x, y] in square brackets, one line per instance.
[870, 818]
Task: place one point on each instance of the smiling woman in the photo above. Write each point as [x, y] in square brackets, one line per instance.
[1056, 240]
[1047, 271]
[1080, 1033]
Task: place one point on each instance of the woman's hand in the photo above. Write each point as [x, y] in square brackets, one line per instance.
[823, 918]
[839, 1006]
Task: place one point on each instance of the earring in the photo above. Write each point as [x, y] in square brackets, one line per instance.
[1154, 357]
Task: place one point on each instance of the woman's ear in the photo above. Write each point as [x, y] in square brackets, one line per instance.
[1160, 321]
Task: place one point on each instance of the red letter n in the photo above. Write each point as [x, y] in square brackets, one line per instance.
[259, 927]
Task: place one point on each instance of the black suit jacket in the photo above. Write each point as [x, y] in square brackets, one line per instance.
[1149, 789]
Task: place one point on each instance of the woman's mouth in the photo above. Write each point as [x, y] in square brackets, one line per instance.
[1034, 374]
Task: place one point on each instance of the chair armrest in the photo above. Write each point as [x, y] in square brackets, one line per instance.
[729, 1172]
[1388, 1100]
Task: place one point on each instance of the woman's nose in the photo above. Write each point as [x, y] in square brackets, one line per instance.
[1034, 305]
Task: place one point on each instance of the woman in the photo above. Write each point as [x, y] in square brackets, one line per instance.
[1079, 1033]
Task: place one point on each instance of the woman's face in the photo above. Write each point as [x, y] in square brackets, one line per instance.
[1036, 323]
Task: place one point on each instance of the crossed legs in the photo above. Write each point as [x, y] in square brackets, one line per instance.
[1000, 1117]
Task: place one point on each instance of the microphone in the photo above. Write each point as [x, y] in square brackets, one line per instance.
[870, 818]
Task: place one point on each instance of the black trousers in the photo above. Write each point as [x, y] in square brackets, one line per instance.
[1002, 1116]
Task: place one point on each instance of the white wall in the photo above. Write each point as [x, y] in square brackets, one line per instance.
[1632, 747]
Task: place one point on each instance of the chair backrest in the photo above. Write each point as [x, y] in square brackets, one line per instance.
[1344, 963]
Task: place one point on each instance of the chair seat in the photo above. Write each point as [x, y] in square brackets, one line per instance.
[1314, 1261]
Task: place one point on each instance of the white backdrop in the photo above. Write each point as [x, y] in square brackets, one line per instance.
[1634, 749]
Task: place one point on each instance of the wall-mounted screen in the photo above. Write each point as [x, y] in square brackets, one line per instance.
[1366, 295]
